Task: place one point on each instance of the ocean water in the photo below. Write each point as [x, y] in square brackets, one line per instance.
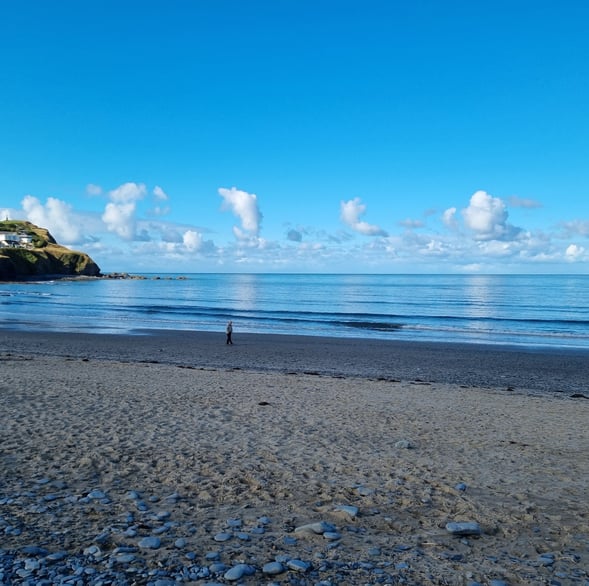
[529, 310]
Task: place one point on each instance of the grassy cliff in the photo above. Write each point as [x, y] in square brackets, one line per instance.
[44, 259]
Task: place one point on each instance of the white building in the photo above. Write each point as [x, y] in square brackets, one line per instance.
[14, 240]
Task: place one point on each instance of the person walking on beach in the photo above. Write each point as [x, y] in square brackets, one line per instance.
[229, 331]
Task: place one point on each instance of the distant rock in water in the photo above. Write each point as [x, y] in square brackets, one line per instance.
[30, 252]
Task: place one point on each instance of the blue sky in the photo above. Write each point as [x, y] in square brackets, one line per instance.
[294, 136]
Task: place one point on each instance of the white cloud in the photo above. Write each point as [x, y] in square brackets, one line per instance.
[119, 213]
[126, 235]
[128, 192]
[449, 218]
[487, 216]
[574, 252]
[244, 205]
[350, 213]
[93, 190]
[192, 240]
[56, 215]
[120, 219]
[160, 194]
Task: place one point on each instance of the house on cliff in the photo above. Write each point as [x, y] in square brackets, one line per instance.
[15, 240]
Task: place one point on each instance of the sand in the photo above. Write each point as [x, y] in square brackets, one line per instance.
[270, 429]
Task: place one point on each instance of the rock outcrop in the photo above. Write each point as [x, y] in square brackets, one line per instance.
[41, 256]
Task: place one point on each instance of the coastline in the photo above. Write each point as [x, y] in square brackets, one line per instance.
[555, 371]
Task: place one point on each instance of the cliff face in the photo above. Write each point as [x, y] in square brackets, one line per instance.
[43, 257]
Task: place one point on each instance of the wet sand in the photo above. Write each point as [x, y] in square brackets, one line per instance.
[538, 370]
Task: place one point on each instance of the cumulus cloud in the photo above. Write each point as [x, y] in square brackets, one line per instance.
[120, 219]
[128, 192]
[244, 205]
[56, 215]
[351, 212]
[487, 216]
[449, 218]
[192, 240]
[574, 252]
[160, 194]
[119, 213]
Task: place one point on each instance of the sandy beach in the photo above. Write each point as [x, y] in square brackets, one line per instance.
[172, 458]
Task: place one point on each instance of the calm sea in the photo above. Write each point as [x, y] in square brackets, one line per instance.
[530, 310]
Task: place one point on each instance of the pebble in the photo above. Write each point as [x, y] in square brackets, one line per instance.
[351, 510]
[273, 568]
[319, 528]
[546, 559]
[298, 565]
[404, 445]
[464, 528]
[150, 543]
[118, 553]
[332, 535]
[96, 494]
[233, 523]
[238, 572]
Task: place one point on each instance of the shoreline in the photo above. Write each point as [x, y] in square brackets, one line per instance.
[553, 371]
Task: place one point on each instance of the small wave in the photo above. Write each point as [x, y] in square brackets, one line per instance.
[369, 325]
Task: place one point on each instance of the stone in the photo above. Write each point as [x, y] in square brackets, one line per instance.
[96, 494]
[273, 568]
[463, 528]
[404, 445]
[350, 510]
[318, 528]
[238, 572]
[332, 535]
[150, 543]
[234, 523]
[298, 565]
[34, 550]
